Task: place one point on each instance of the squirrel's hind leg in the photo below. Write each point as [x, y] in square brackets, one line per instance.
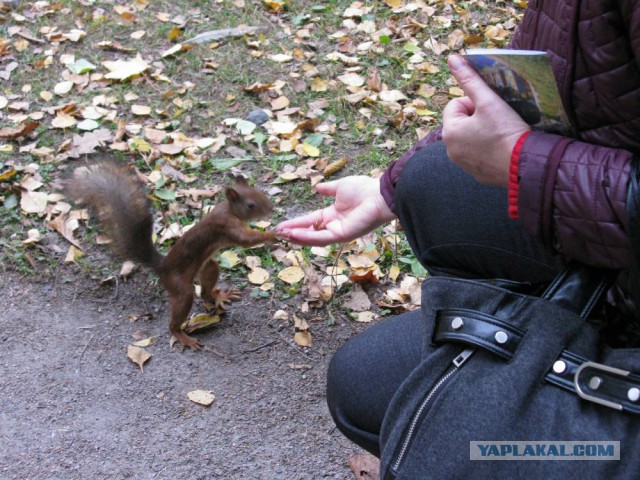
[218, 298]
[180, 300]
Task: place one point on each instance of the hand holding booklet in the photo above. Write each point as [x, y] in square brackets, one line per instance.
[524, 79]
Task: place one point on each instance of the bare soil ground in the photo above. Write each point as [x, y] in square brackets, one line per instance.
[73, 406]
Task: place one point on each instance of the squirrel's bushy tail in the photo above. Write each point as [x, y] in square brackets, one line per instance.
[117, 197]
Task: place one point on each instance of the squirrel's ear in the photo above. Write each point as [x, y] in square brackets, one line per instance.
[239, 179]
[232, 194]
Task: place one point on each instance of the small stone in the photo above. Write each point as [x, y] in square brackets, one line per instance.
[258, 116]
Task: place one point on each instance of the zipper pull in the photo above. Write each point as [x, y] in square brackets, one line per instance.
[463, 357]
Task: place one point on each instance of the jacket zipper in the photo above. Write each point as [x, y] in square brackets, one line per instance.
[458, 361]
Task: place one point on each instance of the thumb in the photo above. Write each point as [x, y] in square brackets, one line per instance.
[472, 83]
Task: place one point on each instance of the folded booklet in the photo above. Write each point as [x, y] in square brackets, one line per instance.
[524, 79]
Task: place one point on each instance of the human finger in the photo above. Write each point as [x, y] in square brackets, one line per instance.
[328, 188]
[311, 237]
[308, 220]
[470, 81]
[461, 107]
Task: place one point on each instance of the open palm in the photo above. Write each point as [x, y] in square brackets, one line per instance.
[358, 209]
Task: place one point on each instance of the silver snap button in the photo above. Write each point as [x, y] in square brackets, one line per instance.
[633, 394]
[501, 337]
[595, 383]
[457, 323]
[559, 367]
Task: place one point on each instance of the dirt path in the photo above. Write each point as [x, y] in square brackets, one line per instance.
[73, 406]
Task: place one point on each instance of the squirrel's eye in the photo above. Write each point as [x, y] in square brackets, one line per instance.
[251, 205]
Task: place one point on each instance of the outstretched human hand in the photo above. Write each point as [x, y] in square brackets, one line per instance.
[480, 129]
[358, 208]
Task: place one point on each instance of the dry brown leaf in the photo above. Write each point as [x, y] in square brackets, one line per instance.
[280, 103]
[63, 120]
[24, 129]
[201, 397]
[258, 276]
[33, 236]
[455, 40]
[142, 316]
[252, 261]
[358, 300]
[374, 82]
[138, 355]
[200, 322]
[303, 339]
[125, 69]
[352, 79]
[141, 110]
[229, 258]
[176, 49]
[281, 315]
[88, 142]
[291, 275]
[65, 227]
[334, 167]
[364, 317]
[319, 85]
[33, 202]
[394, 271]
[174, 33]
[300, 324]
[258, 87]
[73, 254]
[63, 88]
[127, 269]
[145, 342]
[274, 6]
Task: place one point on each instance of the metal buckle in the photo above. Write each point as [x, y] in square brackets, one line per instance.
[602, 368]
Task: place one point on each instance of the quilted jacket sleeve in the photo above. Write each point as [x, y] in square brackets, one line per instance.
[573, 196]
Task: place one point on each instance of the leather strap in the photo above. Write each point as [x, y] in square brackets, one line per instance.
[579, 287]
[612, 387]
[476, 328]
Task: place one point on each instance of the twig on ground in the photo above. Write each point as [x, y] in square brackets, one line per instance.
[268, 344]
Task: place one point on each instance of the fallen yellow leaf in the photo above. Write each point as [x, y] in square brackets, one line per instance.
[303, 339]
[229, 259]
[333, 167]
[202, 397]
[138, 355]
[291, 275]
[258, 276]
[124, 69]
[200, 322]
[140, 110]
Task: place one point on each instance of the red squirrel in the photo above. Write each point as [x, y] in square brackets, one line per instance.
[117, 196]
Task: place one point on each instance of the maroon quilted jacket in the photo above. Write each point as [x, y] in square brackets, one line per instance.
[573, 190]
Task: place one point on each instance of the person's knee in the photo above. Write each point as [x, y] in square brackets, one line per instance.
[421, 175]
[337, 380]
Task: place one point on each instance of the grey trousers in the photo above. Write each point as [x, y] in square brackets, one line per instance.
[456, 227]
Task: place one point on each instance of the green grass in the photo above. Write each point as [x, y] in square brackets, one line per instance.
[195, 102]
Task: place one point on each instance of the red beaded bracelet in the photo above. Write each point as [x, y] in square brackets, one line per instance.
[514, 180]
